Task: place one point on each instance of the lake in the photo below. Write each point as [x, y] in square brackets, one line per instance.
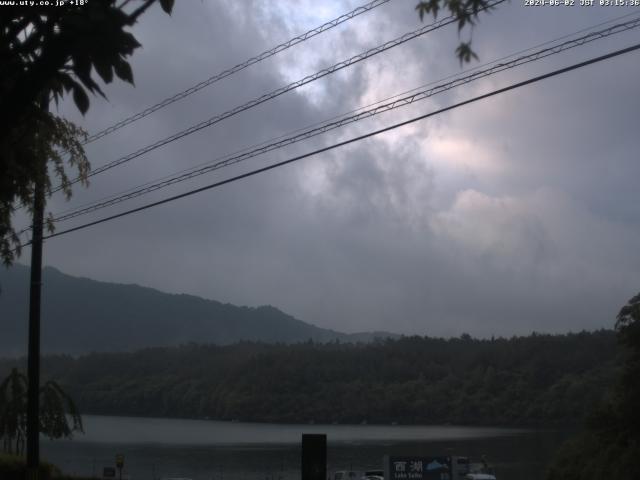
[210, 450]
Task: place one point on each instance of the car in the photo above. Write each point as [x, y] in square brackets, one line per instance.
[347, 475]
[373, 475]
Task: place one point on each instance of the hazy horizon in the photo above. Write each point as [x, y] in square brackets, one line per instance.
[496, 335]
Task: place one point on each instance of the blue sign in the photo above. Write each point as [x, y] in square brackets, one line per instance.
[418, 468]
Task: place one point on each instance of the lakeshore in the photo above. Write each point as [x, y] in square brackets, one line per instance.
[210, 450]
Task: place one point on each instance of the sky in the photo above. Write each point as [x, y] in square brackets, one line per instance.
[514, 214]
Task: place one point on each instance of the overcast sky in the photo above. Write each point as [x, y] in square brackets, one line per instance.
[519, 213]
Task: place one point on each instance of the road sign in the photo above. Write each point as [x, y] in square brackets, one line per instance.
[418, 468]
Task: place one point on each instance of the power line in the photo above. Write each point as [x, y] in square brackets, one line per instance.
[247, 151]
[347, 142]
[220, 76]
[359, 109]
[241, 66]
[280, 91]
[415, 96]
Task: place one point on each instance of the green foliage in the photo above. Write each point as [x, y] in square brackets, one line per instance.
[536, 380]
[56, 409]
[13, 407]
[609, 447]
[44, 137]
[14, 467]
[465, 12]
[47, 52]
[465, 53]
[54, 50]
[588, 457]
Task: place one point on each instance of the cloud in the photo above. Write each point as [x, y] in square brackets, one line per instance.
[514, 214]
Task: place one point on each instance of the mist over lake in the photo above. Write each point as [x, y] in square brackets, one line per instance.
[211, 450]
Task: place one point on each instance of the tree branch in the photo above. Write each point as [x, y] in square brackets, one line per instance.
[133, 17]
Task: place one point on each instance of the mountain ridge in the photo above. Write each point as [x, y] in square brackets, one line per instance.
[126, 317]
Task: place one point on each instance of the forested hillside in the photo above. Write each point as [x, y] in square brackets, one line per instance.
[540, 379]
[80, 315]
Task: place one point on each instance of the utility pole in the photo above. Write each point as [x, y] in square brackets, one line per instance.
[33, 360]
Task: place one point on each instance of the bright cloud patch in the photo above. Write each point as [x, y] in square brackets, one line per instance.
[545, 232]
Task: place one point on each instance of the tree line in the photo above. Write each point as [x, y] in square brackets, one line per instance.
[608, 446]
[533, 380]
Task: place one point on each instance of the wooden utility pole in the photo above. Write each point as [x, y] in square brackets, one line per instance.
[33, 360]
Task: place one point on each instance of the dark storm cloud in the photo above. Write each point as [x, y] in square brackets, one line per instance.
[512, 215]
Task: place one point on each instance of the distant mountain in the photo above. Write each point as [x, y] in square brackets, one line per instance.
[80, 315]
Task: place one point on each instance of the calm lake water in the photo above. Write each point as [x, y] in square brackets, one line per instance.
[208, 450]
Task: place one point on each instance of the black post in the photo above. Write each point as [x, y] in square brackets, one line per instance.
[314, 456]
[33, 362]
